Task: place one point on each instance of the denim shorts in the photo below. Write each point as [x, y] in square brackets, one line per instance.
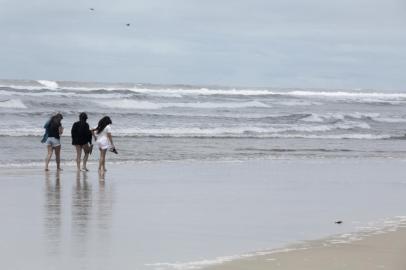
[52, 141]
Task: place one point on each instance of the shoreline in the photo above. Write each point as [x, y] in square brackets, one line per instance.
[361, 249]
[367, 250]
[94, 162]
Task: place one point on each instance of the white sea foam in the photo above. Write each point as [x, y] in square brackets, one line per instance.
[52, 85]
[12, 104]
[273, 131]
[357, 96]
[146, 105]
[342, 94]
[390, 119]
[22, 87]
[65, 94]
[314, 117]
[210, 262]
[37, 94]
[35, 86]
[282, 130]
[368, 96]
[297, 103]
[336, 136]
[203, 91]
[21, 131]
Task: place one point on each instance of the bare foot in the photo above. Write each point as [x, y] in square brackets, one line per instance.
[84, 169]
[59, 169]
[46, 169]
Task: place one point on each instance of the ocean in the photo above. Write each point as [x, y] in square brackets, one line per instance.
[181, 122]
[204, 175]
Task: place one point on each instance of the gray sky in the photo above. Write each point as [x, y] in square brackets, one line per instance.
[282, 43]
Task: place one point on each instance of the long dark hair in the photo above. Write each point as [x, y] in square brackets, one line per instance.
[82, 117]
[103, 123]
[56, 119]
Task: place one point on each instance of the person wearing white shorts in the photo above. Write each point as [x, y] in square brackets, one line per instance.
[104, 140]
[53, 142]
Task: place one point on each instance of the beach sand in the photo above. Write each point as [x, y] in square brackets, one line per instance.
[381, 251]
[184, 215]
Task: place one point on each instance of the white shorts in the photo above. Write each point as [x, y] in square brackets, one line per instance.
[52, 141]
[103, 143]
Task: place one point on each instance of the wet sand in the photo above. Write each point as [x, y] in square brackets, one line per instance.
[382, 251]
[183, 215]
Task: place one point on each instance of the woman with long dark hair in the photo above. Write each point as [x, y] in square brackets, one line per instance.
[102, 134]
[82, 140]
[54, 130]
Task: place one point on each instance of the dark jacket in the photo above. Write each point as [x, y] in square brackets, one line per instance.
[81, 133]
[45, 136]
[53, 129]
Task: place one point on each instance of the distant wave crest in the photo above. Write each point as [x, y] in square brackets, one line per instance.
[52, 85]
[12, 104]
[146, 105]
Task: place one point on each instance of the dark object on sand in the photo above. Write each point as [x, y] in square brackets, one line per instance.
[128, 24]
[338, 222]
[113, 150]
[92, 9]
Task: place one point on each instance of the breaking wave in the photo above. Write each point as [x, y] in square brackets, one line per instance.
[12, 104]
[146, 105]
[221, 132]
[52, 85]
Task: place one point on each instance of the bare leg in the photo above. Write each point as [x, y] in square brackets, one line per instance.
[101, 175]
[48, 157]
[78, 156]
[58, 157]
[102, 161]
[85, 161]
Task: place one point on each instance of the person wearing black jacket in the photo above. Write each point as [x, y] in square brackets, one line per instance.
[82, 139]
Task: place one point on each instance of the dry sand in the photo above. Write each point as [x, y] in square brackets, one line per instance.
[379, 251]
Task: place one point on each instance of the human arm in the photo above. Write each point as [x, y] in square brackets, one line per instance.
[94, 134]
[46, 125]
[110, 137]
[89, 134]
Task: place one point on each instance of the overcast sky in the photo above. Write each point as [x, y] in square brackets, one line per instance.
[282, 43]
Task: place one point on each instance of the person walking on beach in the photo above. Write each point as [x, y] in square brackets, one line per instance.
[82, 140]
[104, 140]
[54, 130]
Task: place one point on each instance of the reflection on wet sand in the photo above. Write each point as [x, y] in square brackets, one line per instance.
[86, 230]
[104, 216]
[53, 212]
[81, 213]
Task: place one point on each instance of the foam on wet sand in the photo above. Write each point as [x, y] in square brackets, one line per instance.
[377, 251]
